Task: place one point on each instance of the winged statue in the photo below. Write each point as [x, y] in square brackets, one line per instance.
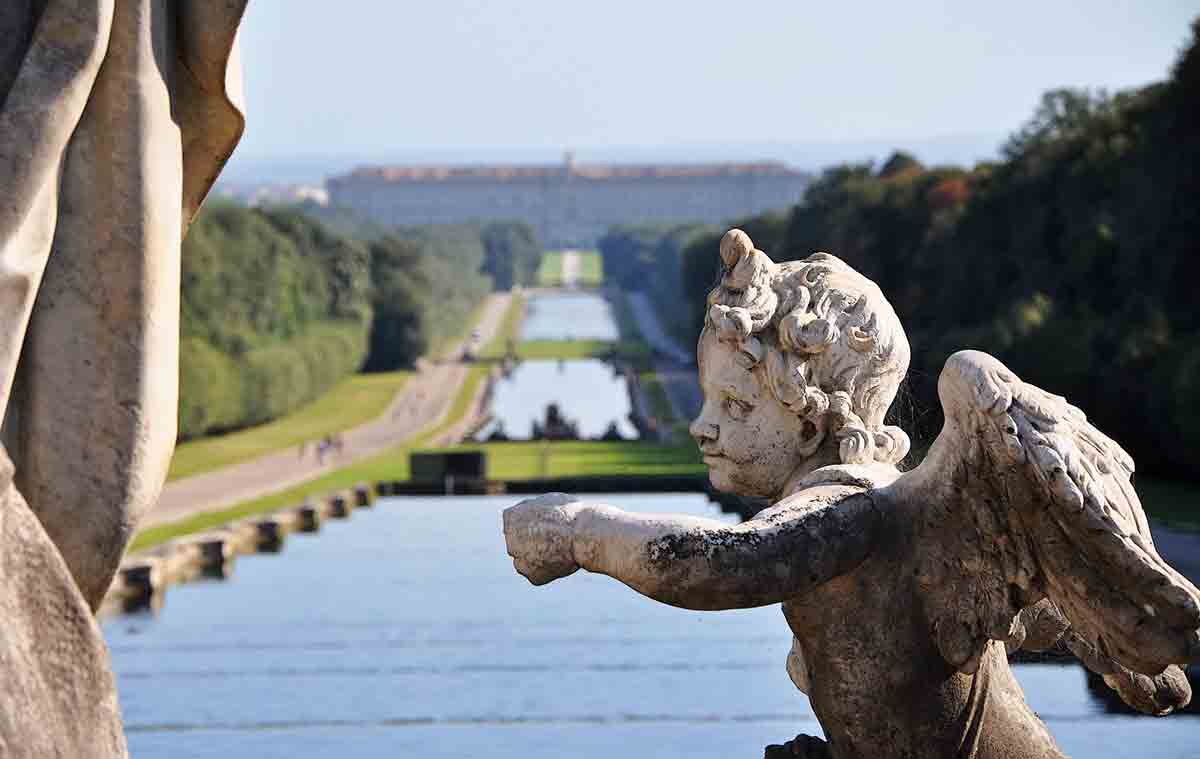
[905, 591]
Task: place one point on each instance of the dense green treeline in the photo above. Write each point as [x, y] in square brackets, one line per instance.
[1074, 258]
[427, 281]
[511, 249]
[275, 308]
[278, 305]
[650, 257]
[512, 253]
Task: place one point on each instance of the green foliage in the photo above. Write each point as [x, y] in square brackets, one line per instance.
[591, 268]
[252, 278]
[526, 460]
[275, 310]
[590, 272]
[549, 273]
[426, 283]
[899, 163]
[512, 253]
[399, 333]
[1074, 259]
[210, 389]
[652, 257]
[279, 378]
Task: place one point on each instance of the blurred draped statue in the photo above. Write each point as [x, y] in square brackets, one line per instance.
[904, 592]
[115, 118]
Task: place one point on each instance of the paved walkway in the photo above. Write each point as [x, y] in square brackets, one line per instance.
[570, 268]
[422, 402]
[675, 367]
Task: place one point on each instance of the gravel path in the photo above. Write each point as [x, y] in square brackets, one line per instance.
[420, 404]
[570, 268]
[675, 367]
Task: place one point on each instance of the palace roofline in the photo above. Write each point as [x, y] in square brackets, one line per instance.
[590, 171]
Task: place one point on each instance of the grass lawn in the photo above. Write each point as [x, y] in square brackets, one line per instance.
[535, 460]
[353, 401]
[549, 273]
[546, 350]
[591, 268]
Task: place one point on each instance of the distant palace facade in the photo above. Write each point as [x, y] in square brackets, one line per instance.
[570, 205]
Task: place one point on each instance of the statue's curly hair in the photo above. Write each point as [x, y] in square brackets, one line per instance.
[832, 347]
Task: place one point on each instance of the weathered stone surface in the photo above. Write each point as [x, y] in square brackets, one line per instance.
[115, 118]
[904, 592]
[58, 697]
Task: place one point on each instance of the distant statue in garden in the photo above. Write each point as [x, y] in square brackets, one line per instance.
[555, 426]
[905, 592]
[115, 118]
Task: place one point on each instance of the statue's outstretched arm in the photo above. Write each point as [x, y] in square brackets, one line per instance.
[691, 562]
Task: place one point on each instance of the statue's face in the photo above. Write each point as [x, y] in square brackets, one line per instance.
[748, 438]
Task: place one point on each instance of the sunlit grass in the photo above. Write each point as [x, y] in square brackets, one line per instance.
[548, 350]
[591, 269]
[549, 273]
[535, 460]
[355, 400]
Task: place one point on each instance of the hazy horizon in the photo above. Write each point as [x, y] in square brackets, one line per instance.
[470, 82]
[811, 156]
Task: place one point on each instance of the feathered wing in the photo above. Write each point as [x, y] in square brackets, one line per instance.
[1039, 510]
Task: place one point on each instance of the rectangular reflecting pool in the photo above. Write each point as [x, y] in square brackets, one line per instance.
[404, 632]
[569, 316]
[588, 392]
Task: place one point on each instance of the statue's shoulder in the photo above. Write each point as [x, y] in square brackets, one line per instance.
[852, 486]
[866, 477]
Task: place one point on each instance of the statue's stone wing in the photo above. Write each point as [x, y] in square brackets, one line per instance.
[1029, 502]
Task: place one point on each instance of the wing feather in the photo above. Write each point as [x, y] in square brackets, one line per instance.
[1061, 493]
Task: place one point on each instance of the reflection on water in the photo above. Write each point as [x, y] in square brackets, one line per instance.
[569, 316]
[587, 391]
[405, 632]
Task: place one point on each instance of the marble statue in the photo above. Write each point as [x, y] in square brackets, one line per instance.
[904, 591]
[115, 118]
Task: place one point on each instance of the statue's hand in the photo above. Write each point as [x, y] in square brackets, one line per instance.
[539, 536]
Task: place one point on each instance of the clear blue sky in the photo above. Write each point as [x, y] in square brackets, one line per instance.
[469, 80]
